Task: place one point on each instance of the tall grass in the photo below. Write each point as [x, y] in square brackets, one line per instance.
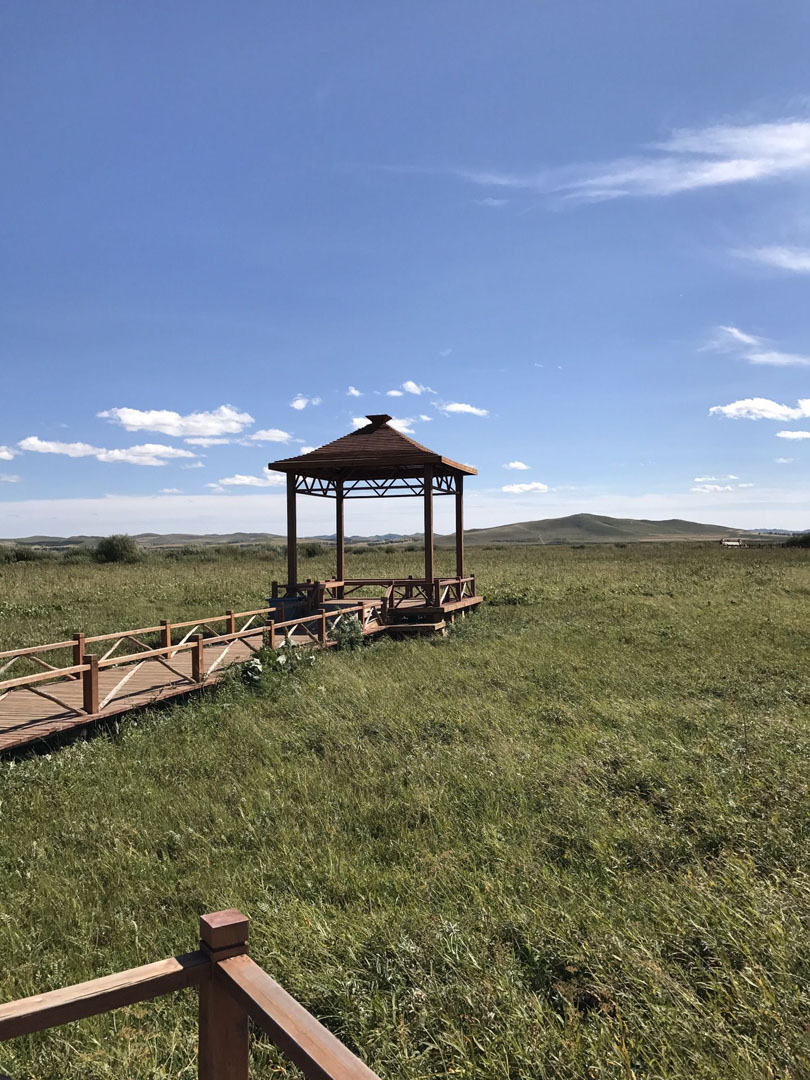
[569, 840]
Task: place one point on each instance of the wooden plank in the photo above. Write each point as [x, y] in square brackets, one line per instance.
[314, 1049]
[101, 995]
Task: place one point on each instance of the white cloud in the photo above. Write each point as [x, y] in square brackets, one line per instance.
[354, 392]
[793, 434]
[226, 420]
[170, 491]
[360, 421]
[393, 393]
[193, 465]
[300, 401]
[411, 387]
[714, 479]
[462, 407]
[207, 440]
[762, 409]
[9, 478]
[6, 453]
[783, 460]
[794, 259]
[308, 449]
[713, 488]
[516, 465]
[154, 454]
[267, 479]
[690, 159]
[403, 424]
[520, 489]
[272, 435]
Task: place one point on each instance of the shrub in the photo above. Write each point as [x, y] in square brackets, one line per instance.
[348, 633]
[313, 550]
[801, 541]
[119, 548]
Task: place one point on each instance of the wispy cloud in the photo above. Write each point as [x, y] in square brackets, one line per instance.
[491, 202]
[762, 409]
[154, 454]
[270, 435]
[712, 489]
[793, 434]
[226, 420]
[9, 478]
[752, 348]
[170, 491]
[714, 479]
[300, 401]
[207, 440]
[354, 392]
[394, 393]
[7, 453]
[796, 260]
[516, 465]
[462, 407]
[783, 460]
[520, 489]
[688, 160]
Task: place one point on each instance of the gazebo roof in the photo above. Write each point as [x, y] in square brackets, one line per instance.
[375, 451]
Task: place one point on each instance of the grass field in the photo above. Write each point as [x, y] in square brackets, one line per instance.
[570, 840]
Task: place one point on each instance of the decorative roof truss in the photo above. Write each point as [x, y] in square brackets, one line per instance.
[371, 488]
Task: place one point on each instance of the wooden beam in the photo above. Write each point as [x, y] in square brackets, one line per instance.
[460, 526]
[340, 535]
[314, 1049]
[101, 995]
[223, 1039]
[428, 494]
[292, 536]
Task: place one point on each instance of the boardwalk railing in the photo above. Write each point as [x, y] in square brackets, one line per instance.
[397, 592]
[232, 989]
[244, 633]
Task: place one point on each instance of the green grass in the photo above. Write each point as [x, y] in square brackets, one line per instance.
[570, 840]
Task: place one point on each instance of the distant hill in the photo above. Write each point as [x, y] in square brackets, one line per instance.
[574, 529]
[594, 529]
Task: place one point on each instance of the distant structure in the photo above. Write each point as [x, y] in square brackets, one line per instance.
[377, 461]
[737, 542]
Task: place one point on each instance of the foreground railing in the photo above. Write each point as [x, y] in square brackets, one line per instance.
[232, 989]
[396, 591]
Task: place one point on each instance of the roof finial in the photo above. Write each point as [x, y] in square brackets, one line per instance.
[377, 421]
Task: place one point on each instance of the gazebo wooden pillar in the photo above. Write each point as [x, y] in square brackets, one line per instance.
[375, 461]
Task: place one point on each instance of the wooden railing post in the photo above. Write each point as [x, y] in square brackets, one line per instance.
[166, 634]
[223, 1036]
[197, 659]
[322, 629]
[90, 685]
[270, 634]
[231, 621]
[78, 650]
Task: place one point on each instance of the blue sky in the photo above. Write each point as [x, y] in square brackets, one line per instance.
[579, 230]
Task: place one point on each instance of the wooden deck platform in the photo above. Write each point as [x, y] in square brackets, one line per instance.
[59, 697]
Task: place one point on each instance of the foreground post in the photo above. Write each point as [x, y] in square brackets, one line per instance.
[224, 1047]
[428, 496]
[197, 659]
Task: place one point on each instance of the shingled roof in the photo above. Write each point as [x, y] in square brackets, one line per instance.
[374, 451]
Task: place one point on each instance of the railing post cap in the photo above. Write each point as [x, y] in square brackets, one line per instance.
[224, 929]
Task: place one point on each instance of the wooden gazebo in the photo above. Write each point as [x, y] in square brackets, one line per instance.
[377, 461]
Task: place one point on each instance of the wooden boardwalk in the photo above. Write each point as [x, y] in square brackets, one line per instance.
[64, 697]
[74, 683]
